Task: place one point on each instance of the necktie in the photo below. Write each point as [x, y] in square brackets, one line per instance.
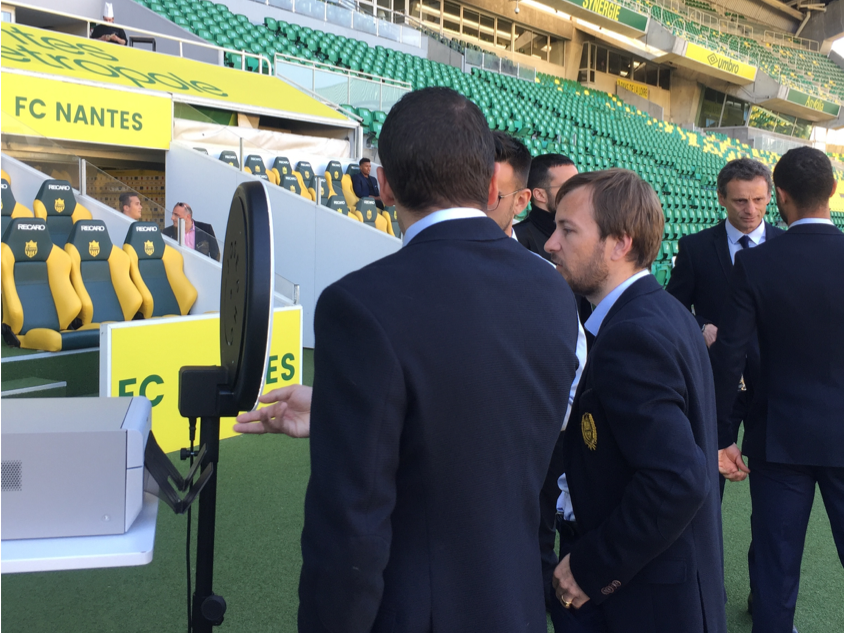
[744, 240]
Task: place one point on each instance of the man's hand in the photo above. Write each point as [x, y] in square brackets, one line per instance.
[289, 413]
[710, 334]
[566, 588]
[731, 464]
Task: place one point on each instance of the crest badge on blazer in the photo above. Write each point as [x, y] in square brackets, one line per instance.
[590, 433]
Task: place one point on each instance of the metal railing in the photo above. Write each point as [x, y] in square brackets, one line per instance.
[502, 65]
[338, 85]
[340, 14]
[783, 39]
[180, 40]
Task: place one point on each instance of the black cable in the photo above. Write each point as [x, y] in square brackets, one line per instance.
[192, 432]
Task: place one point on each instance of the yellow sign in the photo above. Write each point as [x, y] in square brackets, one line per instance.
[55, 53]
[635, 88]
[720, 62]
[63, 110]
[143, 358]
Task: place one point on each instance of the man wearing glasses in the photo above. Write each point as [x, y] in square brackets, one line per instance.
[547, 174]
[198, 235]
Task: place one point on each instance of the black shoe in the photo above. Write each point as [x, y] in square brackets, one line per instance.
[750, 603]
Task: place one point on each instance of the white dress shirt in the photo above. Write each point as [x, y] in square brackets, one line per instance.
[757, 237]
[811, 221]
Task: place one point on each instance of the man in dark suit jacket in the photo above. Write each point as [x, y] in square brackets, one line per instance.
[198, 235]
[432, 426]
[547, 174]
[700, 279]
[790, 292]
[640, 449]
[366, 185]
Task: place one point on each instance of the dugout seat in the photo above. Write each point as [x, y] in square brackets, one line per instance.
[303, 189]
[281, 168]
[100, 275]
[254, 164]
[291, 183]
[368, 211]
[349, 191]
[338, 203]
[228, 156]
[10, 207]
[5, 176]
[157, 270]
[308, 176]
[39, 302]
[334, 176]
[56, 204]
[352, 169]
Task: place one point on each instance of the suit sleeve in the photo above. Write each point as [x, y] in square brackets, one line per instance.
[356, 424]
[642, 396]
[681, 284]
[357, 186]
[728, 353]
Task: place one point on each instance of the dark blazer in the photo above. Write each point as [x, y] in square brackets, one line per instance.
[205, 240]
[435, 413]
[701, 280]
[790, 291]
[642, 468]
[534, 231]
[364, 186]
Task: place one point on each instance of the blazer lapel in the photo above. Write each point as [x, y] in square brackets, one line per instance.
[719, 237]
[644, 286]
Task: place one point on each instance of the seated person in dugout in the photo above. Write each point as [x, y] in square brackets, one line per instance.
[366, 185]
[198, 235]
[129, 204]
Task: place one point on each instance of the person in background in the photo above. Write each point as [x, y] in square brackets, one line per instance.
[130, 205]
[108, 33]
[366, 185]
[514, 160]
[198, 235]
[788, 293]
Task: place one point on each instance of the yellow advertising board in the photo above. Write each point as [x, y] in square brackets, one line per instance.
[143, 358]
[635, 88]
[54, 53]
[720, 62]
[68, 111]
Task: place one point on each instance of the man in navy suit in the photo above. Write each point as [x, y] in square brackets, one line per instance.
[641, 445]
[700, 279]
[365, 185]
[432, 426]
[790, 292]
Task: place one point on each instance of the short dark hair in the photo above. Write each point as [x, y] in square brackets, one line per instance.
[745, 169]
[437, 151]
[513, 152]
[363, 160]
[623, 204]
[805, 174]
[124, 200]
[539, 167]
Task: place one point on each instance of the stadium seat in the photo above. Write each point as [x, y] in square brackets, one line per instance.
[281, 168]
[349, 191]
[11, 208]
[254, 164]
[338, 203]
[352, 169]
[368, 210]
[39, 302]
[157, 270]
[291, 183]
[5, 176]
[56, 204]
[304, 169]
[100, 275]
[303, 189]
[230, 157]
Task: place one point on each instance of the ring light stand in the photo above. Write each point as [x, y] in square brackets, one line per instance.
[209, 393]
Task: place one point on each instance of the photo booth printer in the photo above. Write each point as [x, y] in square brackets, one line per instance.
[72, 466]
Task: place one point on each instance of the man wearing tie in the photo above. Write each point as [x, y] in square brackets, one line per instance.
[365, 185]
[790, 293]
[700, 279]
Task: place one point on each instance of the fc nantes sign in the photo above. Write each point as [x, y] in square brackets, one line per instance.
[720, 62]
[143, 358]
[615, 12]
[68, 111]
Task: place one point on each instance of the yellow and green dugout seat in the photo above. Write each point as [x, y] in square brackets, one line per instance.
[11, 208]
[56, 204]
